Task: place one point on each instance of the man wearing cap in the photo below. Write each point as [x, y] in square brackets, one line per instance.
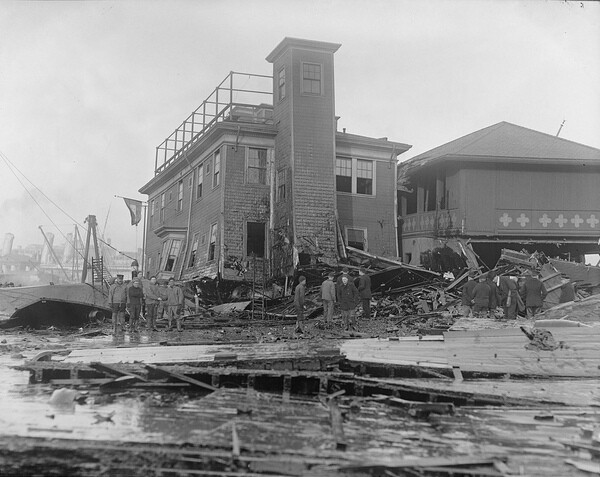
[117, 299]
[153, 298]
[348, 297]
[175, 302]
[299, 299]
[533, 293]
[135, 296]
[328, 297]
[508, 296]
[345, 272]
[364, 290]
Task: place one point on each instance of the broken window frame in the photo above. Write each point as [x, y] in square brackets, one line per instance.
[254, 247]
[212, 244]
[194, 250]
[171, 251]
[256, 167]
[364, 245]
[311, 78]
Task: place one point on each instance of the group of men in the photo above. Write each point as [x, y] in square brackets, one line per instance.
[343, 292]
[158, 299]
[489, 292]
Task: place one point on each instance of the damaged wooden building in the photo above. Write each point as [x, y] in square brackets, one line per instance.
[504, 186]
[258, 179]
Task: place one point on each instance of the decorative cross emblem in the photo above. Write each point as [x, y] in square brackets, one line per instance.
[505, 219]
[577, 221]
[560, 220]
[523, 220]
[593, 221]
[545, 220]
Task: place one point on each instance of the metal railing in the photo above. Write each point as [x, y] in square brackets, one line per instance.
[240, 97]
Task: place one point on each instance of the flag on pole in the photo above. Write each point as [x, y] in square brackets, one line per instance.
[135, 209]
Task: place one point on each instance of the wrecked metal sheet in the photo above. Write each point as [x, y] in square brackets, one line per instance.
[229, 307]
[38, 305]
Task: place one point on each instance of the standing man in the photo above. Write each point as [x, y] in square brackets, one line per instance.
[533, 293]
[153, 298]
[348, 297]
[508, 296]
[364, 290]
[494, 293]
[481, 297]
[135, 296]
[328, 297]
[162, 302]
[467, 294]
[175, 302]
[299, 299]
[117, 298]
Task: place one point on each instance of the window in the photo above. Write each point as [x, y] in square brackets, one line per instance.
[193, 251]
[257, 166]
[357, 238]
[171, 249]
[364, 177]
[343, 175]
[162, 206]
[281, 185]
[255, 239]
[180, 195]
[200, 181]
[281, 84]
[212, 246]
[355, 176]
[429, 186]
[152, 209]
[217, 170]
[311, 78]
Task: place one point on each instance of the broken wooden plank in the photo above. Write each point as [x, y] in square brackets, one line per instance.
[108, 369]
[509, 351]
[337, 424]
[180, 377]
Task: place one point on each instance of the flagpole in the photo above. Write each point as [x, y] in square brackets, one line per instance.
[144, 241]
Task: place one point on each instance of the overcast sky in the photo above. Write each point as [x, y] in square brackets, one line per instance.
[89, 89]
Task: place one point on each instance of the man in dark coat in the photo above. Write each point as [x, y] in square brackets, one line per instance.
[467, 294]
[508, 296]
[117, 298]
[481, 297]
[299, 299]
[533, 293]
[364, 290]
[135, 296]
[494, 292]
[348, 298]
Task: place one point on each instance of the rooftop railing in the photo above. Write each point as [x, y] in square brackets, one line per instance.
[240, 97]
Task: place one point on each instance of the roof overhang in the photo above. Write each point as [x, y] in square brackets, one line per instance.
[288, 43]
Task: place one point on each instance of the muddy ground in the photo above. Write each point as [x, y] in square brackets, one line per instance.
[232, 432]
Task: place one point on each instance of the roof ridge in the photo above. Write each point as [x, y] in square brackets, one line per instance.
[551, 136]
